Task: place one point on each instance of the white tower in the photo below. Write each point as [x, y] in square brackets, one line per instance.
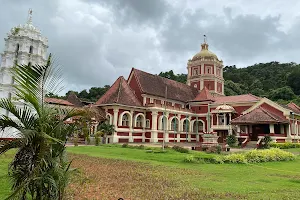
[24, 44]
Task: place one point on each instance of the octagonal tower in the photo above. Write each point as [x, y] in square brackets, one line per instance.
[206, 70]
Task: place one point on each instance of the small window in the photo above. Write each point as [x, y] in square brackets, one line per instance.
[147, 123]
[125, 120]
[17, 48]
[195, 85]
[139, 122]
[31, 49]
[195, 72]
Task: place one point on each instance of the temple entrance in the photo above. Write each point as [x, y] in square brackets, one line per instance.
[259, 129]
[222, 136]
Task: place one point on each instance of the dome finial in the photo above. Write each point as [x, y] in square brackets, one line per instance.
[29, 18]
[204, 46]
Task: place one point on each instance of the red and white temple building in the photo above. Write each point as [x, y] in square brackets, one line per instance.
[149, 108]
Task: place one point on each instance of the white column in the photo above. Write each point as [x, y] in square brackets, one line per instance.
[115, 123]
[271, 126]
[238, 130]
[217, 119]
[229, 117]
[225, 119]
[154, 127]
[131, 127]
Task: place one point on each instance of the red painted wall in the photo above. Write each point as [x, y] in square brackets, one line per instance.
[272, 109]
[135, 87]
[219, 87]
[196, 82]
[209, 85]
[240, 109]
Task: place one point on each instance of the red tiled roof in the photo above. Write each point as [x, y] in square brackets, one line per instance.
[259, 116]
[120, 93]
[156, 85]
[204, 95]
[294, 107]
[58, 101]
[237, 98]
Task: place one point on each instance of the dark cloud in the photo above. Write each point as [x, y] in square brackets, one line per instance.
[98, 40]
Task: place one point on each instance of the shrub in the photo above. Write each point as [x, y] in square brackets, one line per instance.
[286, 145]
[140, 146]
[97, 138]
[190, 159]
[180, 149]
[125, 145]
[235, 158]
[214, 149]
[266, 141]
[274, 154]
[231, 140]
[75, 140]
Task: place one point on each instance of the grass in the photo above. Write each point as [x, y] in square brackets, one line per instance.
[110, 172]
[5, 159]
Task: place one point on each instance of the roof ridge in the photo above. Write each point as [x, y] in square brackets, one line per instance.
[119, 89]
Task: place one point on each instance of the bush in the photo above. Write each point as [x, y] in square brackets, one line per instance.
[266, 142]
[97, 138]
[190, 159]
[75, 140]
[235, 158]
[286, 145]
[125, 145]
[140, 146]
[274, 154]
[180, 149]
[231, 140]
[214, 149]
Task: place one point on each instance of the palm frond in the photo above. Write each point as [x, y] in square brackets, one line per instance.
[5, 146]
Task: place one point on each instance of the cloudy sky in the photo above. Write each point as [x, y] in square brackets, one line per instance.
[98, 40]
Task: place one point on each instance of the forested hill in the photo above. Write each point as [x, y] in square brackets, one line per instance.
[277, 81]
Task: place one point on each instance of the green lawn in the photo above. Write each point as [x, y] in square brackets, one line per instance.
[274, 180]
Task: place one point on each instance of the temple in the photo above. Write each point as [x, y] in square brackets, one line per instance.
[150, 108]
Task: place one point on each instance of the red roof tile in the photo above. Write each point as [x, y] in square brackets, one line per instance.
[294, 107]
[259, 116]
[156, 85]
[58, 101]
[120, 93]
[237, 98]
[204, 95]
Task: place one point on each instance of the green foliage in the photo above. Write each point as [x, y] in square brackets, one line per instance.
[286, 145]
[40, 169]
[176, 77]
[92, 95]
[268, 155]
[284, 93]
[266, 141]
[293, 80]
[190, 159]
[180, 149]
[235, 158]
[97, 138]
[75, 140]
[125, 145]
[106, 129]
[231, 140]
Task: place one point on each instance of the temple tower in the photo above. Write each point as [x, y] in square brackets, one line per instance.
[24, 44]
[206, 70]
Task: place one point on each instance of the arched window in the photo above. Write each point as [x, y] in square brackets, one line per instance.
[198, 126]
[139, 121]
[163, 123]
[147, 123]
[186, 126]
[174, 124]
[31, 49]
[17, 48]
[195, 72]
[125, 120]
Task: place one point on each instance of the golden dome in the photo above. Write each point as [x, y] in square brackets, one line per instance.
[204, 53]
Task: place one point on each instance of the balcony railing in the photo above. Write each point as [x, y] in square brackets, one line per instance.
[169, 107]
[221, 127]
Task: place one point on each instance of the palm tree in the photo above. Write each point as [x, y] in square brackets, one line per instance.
[39, 169]
[106, 129]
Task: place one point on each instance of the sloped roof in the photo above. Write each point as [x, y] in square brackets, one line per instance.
[58, 101]
[156, 85]
[72, 97]
[259, 116]
[120, 93]
[292, 106]
[237, 98]
[204, 95]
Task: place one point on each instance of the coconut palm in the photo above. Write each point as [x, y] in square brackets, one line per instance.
[39, 169]
[106, 129]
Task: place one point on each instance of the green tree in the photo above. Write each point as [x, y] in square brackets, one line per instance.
[106, 129]
[284, 93]
[39, 169]
[294, 81]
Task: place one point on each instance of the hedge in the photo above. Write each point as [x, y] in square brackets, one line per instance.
[253, 156]
[286, 145]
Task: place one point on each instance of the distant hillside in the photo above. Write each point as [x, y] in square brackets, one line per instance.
[277, 81]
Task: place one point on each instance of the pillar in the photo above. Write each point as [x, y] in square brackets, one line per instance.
[131, 127]
[115, 123]
[229, 117]
[217, 119]
[154, 127]
[271, 126]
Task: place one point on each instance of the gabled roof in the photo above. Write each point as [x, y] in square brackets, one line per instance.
[259, 116]
[120, 93]
[58, 101]
[237, 98]
[204, 95]
[72, 97]
[294, 107]
[156, 85]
